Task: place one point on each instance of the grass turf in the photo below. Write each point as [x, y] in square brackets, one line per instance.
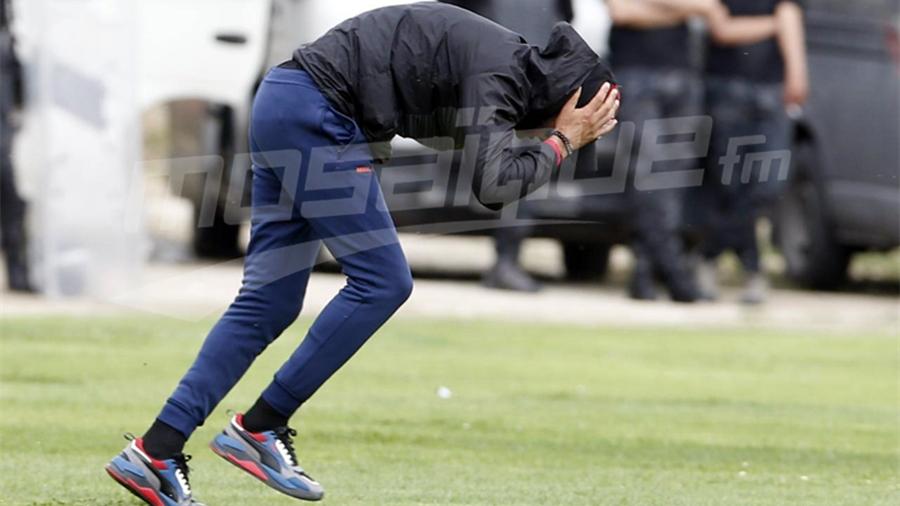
[549, 415]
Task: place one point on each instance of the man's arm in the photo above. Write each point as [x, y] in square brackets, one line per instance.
[504, 172]
[792, 42]
[688, 7]
[643, 14]
[649, 14]
[726, 30]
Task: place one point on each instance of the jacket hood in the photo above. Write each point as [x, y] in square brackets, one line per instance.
[557, 70]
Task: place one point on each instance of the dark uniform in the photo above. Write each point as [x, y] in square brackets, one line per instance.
[12, 207]
[744, 97]
[654, 68]
[532, 19]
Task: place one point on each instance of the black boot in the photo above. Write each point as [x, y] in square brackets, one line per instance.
[681, 284]
[12, 220]
[506, 275]
[641, 288]
[17, 278]
[643, 283]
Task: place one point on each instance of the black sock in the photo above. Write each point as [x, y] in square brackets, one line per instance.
[263, 417]
[162, 441]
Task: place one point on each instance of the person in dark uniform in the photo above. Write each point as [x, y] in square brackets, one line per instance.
[534, 20]
[755, 72]
[12, 206]
[428, 71]
[650, 49]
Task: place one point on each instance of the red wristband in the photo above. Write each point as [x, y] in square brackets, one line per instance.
[557, 150]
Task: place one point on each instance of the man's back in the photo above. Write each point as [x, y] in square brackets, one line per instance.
[405, 60]
[407, 69]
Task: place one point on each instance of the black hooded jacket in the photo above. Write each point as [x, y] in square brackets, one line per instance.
[450, 78]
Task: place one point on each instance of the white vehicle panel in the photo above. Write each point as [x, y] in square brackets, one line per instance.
[180, 57]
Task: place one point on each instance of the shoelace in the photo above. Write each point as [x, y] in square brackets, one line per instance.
[182, 471]
[285, 443]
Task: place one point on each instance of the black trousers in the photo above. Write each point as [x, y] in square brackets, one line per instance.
[12, 213]
[732, 204]
[652, 94]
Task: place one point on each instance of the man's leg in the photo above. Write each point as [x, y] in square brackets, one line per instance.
[657, 245]
[745, 110]
[729, 224]
[507, 272]
[360, 234]
[641, 104]
[13, 238]
[281, 254]
[681, 96]
[378, 283]
[276, 270]
[338, 195]
[771, 121]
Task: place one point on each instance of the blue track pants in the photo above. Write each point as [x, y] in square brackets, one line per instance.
[312, 184]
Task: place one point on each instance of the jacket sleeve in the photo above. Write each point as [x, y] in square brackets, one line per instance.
[506, 168]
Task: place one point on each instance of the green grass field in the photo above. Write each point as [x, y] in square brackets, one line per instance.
[548, 415]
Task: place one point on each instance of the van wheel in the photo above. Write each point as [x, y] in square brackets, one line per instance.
[200, 129]
[585, 262]
[802, 232]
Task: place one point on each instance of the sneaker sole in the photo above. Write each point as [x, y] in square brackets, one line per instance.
[225, 447]
[137, 486]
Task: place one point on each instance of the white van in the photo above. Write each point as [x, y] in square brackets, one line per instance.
[203, 60]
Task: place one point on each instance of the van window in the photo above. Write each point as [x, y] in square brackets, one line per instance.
[862, 8]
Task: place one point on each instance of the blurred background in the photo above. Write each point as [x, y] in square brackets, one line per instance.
[126, 122]
[729, 341]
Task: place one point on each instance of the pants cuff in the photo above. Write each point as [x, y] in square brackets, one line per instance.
[179, 419]
[281, 399]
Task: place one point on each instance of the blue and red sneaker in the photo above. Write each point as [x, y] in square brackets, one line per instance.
[156, 482]
[267, 456]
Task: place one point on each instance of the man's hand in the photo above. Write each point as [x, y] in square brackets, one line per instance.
[585, 125]
[796, 89]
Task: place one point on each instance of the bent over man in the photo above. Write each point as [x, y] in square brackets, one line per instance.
[428, 71]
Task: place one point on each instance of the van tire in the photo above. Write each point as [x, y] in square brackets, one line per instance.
[803, 232]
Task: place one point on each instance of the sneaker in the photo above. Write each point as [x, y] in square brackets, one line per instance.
[509, 276]
[756, 288]
[267, 456]
[156, 482]
[708, 280]
[683, 289]
[642, 287]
